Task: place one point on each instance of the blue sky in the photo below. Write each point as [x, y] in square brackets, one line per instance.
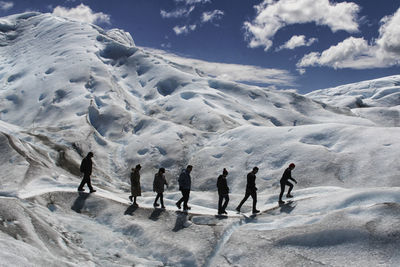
[296, 44]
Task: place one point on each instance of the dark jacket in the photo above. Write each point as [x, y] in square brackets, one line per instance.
[159, 182]
[135, 184]
[251, 183]
[185, 181]
[287, 175]
[86, 166]
[222, 185]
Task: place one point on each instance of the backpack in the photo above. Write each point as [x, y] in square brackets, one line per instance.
[82, 167]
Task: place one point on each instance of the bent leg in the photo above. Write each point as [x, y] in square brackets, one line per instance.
[83, 182]
[182, 198]
[226, 202]
[89, 183]
[157, 197]
[243, 200]
[290, 187]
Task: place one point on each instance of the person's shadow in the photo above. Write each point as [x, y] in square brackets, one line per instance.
[181, 220]
[80, 202]
[131, 209]
[221, 217]
[156, 214]
[288, 207]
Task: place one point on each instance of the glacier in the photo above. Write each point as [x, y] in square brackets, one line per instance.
[69, 87]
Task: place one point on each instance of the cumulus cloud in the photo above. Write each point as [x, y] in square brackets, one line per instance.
[342, 55]
[357, 53]
[6, 5]
[389, 34]
[212, 15]
[234, 72]
[178, 13]
[297, 41]
[82, 13]
[184, 29]
[274, 15]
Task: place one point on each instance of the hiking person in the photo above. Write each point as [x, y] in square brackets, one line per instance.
[287, 175]
[251, 190]
[135, 184]
[86, 169]
[158, 187]
[223, 192]
[185, 182]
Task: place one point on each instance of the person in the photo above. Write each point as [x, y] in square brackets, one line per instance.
[185, 182]
[251, 190]
[135, 184]
[287, 175]
[158, 187]
[86, 169]
[223, 192]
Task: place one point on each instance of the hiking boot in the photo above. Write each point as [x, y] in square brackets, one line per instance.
[81, 189]
[92, 191]
[130, 198]
[156, 205]
[178, 205]
[289, 196]
[281, 202]
[187, 208]
[224, 212]
[256, 211]
[238, 209]
[163, 207]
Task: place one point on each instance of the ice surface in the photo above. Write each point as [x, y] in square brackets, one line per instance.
[68, 88]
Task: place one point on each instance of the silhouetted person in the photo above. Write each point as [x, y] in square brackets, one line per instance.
[223, 192]
[86, 169]
[135, 184]
[287, 175]
[251, 190]
[158, 187]
[185, 182]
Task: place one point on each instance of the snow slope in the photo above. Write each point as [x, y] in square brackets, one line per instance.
[68, 88]
[377, 100]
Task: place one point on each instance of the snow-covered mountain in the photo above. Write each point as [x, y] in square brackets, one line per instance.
[68, 88]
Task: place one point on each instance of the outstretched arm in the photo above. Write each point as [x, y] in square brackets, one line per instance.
[294, 180]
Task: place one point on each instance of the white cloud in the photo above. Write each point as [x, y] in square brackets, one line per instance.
[342, 55]
[184, 29]
[192, 2]
[357, 53]
[178, 13]
[82, 13]
[212, 15]
[297, 41]
[234, 72]
[274, 15]
[389, 34]
[6, 5]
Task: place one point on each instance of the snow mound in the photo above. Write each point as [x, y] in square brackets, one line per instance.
[377, 100]
[382, 92]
